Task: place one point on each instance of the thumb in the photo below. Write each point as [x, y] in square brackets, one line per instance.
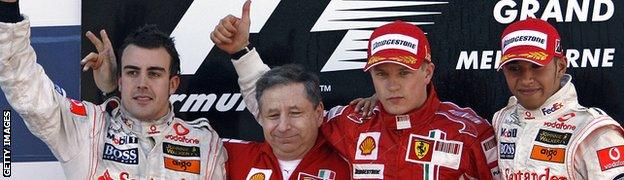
[246, 9]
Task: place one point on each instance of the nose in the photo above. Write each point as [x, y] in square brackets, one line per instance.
[527, 77]
[284, 124]
[142, 82]
[393, 84]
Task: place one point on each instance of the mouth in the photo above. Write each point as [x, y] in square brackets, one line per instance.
[528, 91]
[142, 99]
[395, 100]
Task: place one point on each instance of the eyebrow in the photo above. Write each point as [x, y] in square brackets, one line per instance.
[152, 68]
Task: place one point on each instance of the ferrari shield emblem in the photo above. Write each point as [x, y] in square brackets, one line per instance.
[421, 148]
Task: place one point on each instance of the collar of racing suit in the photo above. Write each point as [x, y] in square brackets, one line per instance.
[138, 127]
[555, 106]
[319, 143]
[417, 117]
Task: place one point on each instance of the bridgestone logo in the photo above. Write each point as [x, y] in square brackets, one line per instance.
[525, 38]
[395, 42]
[367, 171]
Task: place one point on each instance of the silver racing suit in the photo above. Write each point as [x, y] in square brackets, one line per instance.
[560, 140]
[102, 141]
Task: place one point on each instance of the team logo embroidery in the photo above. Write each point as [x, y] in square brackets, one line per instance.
[421, 149]
[434, 150]
[367, 146]
[566, 117]
[78, 108]
[528, 115]
[259, 174]
[610, 157]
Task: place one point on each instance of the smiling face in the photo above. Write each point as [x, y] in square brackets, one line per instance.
[145, 82]
[400, 89]
[532, 84]
[289, 120]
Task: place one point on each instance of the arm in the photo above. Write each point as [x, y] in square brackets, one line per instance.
[32, 94]
[597, 153]
[485, 154]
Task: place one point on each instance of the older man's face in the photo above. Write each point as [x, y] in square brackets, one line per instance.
[289, 120]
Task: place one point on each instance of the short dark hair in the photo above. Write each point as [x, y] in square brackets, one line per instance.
[150, 37]
[290, 74]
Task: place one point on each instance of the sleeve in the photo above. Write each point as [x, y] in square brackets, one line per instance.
[601, 154]
[485, 154]
[249, 69]
[60, 122]
[220, 171]
[336, 129]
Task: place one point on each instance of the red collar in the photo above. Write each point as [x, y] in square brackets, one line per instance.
[417, 117]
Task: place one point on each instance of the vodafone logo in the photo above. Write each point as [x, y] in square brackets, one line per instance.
[180, 129]
[614, 153]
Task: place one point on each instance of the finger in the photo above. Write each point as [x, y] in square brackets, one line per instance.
[230, 26]
[87, 66]
[90, 57]
[214, 38]
[246, 9]
[105, 39]
[366, 108]
[221, 37]
[94, 40]
[224, 31]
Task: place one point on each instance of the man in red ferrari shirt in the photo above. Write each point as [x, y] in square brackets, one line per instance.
[411, 134]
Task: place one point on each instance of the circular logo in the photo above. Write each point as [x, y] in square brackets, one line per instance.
[180, 129]
[614, 153]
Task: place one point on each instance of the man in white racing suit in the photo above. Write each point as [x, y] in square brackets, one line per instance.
[544, 133]
[135, 137]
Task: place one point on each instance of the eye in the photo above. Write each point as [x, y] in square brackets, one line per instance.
[153, 74]
[272, 116]
[535, 66]
[296, 113]
[132, 73]
[512, 68]
[404, 73]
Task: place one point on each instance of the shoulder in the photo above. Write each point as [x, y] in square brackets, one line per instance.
[201, 125]
[465, 120]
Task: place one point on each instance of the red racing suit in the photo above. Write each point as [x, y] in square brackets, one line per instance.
[437, 141]
[253, 159]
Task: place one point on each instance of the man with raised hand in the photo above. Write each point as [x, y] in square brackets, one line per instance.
[411, 134]
[135, 137]
[544, 132]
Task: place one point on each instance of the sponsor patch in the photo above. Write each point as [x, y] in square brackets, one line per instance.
[559, 125]
[552, 109]
[190, 166]
[324, 174]
[403, 122]
[552, 137]
[180, 130]
[126, 156]
[77, 107]
[546, 174]
[528, 115]
[496, 174]
[368, 171]
[610, 157]
[509, 133]
[507, 150]
[489, 149]
[153, 129]
[179, 150]
[556, 155]
[367, 146]
[121, 140]
[60, 90]
[524, 38]
[566, 117]
[425, 150]
[394, 41]
[259, 174]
